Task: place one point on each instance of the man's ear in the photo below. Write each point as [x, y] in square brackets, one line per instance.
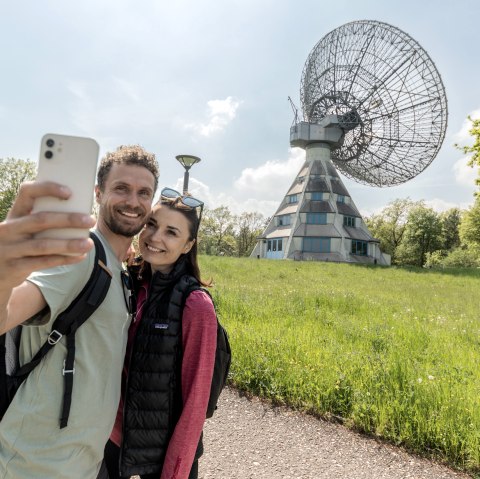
[97, 194]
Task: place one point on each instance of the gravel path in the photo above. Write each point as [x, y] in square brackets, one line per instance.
[249, 439]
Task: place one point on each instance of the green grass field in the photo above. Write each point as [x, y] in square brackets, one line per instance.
[391, 352]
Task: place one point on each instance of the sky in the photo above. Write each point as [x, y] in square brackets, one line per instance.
[212, 78]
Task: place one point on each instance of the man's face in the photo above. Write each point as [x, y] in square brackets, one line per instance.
[126, 199]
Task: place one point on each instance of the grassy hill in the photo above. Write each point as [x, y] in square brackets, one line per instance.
[392, 352]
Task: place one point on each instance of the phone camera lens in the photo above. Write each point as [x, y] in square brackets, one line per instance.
[48, 154]
[50, 143]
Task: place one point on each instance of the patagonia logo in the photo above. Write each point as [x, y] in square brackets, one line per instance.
[160, 326]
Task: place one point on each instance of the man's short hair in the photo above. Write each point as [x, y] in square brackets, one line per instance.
[127, 155]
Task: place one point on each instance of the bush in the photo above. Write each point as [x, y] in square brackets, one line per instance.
[462, 258]
[457, 258]
[435, 259]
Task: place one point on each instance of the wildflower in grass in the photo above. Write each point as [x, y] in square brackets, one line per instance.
[419, 380]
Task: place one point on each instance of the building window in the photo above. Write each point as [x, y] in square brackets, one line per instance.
[283, 220]
[292, 199]
[359, 247]
[317, 196]
[317, 218]
[349, 221]
[316, 245]
[340, 198]
[275, 244]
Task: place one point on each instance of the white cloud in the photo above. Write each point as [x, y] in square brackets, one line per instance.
[464, 174]
[440, 205]
[220, 113]
[462, 136]
[236, 204]
[273, 178]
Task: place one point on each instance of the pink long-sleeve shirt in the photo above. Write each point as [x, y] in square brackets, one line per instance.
[199, 339]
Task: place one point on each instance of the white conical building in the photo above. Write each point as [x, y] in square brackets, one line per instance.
[317, 219]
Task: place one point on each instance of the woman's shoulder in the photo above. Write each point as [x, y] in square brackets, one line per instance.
[199, 298]
[199, 312]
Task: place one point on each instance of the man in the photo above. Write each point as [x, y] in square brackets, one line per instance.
[31, 443]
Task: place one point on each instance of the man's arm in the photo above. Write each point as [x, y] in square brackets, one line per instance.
[22, 254]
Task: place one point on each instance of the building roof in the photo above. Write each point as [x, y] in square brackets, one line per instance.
[331, 169]
[279, 233]
[348, 209]
[287, 209]
[337, 187]
[314, 206]
[317, 184]
[328, 231]
[276, 232]
[358, 234]
[303, 171]
[317, 168]
[296, 188]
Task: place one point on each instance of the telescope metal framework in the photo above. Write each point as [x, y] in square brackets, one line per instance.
[388, 96]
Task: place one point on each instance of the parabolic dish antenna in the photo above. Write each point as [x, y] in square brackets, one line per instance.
[388, 96]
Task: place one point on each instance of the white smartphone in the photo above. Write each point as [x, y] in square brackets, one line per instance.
[70, 161]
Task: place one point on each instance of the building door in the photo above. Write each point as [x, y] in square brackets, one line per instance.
[275, 248]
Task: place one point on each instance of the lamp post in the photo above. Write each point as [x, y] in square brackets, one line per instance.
[187, 161]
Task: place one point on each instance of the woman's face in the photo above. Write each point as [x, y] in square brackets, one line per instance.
[164, 238]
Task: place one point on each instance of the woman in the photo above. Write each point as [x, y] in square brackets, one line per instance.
[170, 357]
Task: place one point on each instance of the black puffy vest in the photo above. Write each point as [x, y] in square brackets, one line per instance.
[153, 398]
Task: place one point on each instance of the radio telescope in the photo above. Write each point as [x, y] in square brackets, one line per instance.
[374, 107]
[387, 95]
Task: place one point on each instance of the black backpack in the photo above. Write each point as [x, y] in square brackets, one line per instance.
[223, 353]
[66, 324]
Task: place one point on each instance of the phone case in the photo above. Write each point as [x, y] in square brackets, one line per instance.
[70, 161]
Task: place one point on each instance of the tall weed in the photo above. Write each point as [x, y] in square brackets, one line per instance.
[391, 352]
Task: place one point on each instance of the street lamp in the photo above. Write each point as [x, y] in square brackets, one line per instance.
[187, 161]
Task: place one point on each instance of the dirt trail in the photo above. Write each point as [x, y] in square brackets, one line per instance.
[249, 439]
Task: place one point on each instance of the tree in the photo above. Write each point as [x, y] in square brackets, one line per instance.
[423, 234]
[469, 228]
[475, 148]
[13, 173]
[389, 225]
[216, 236]
[470, 225]
[450, 228]
[250, 225]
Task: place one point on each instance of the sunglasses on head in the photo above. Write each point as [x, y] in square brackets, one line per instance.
[170, 194]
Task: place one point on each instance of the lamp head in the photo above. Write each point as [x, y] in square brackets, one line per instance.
[187, 161]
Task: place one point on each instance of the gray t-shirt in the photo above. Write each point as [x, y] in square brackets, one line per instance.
[31, 443]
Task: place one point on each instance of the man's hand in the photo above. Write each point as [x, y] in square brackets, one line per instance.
[21, 253]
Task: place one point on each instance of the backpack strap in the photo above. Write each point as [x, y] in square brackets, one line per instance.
[78, 312]
[184, 286]
[67, 323]
[223, 354]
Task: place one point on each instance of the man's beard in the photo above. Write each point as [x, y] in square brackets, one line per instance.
[119, 228]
